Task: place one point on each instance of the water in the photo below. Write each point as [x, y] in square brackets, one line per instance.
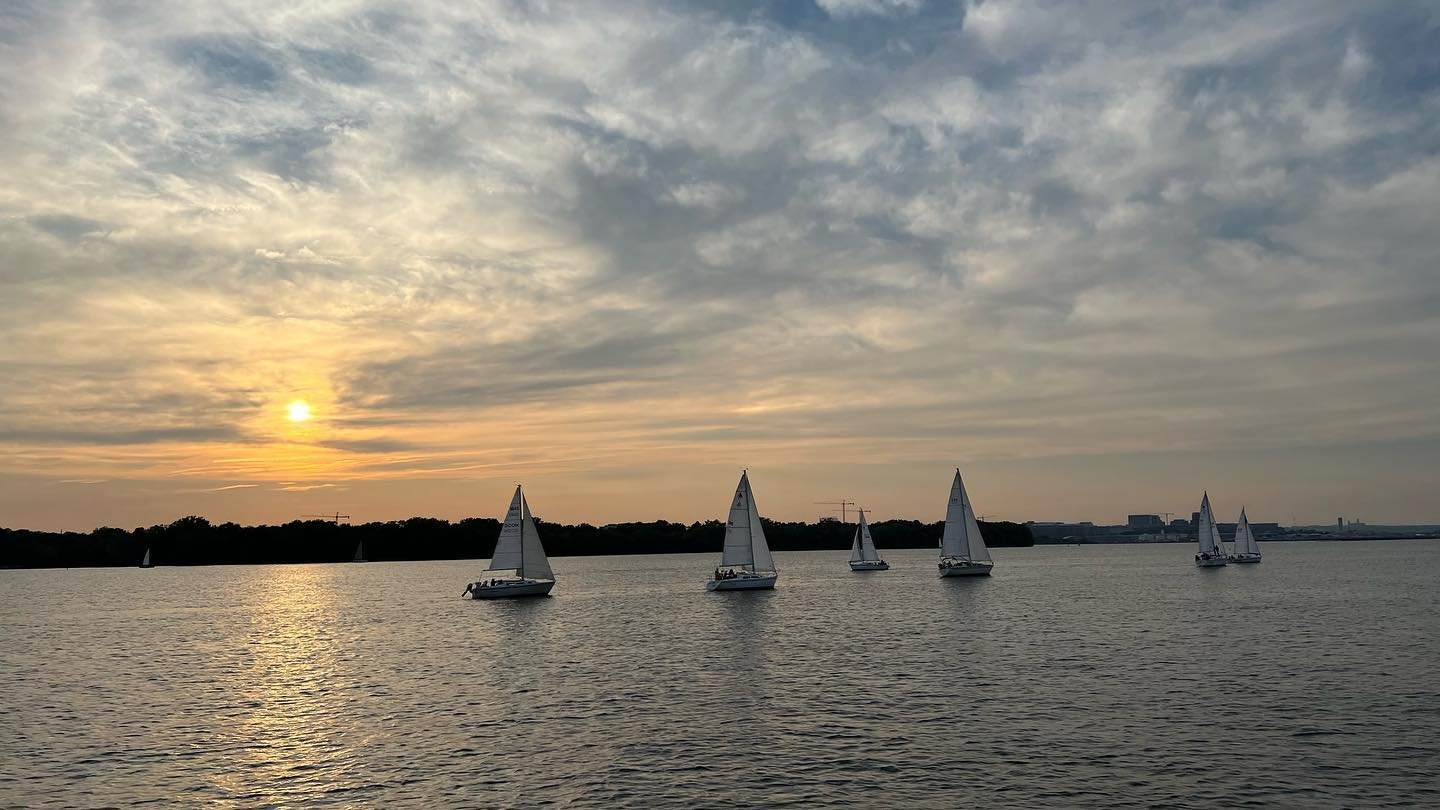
[1111, 675]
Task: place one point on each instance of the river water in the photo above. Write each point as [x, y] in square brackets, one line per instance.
[1075, 676]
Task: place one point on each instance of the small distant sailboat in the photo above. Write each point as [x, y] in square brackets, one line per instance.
[962, 549]
[360, 552]
[1246, 549]
[519, 566]
[145, 561]
[745, 564]
[1212, 549]
[863, 556]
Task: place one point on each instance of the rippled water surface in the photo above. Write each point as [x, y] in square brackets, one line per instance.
[1106, 675]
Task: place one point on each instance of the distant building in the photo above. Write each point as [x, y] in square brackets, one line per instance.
[1181, 525]
[829, 519]
[1053, 529]
[1144, 522]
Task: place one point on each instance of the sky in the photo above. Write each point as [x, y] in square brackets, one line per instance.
[1100, 256]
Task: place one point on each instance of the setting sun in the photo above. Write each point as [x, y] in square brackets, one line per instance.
[299, 411]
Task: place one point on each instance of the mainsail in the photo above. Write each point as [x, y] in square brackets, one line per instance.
[518, 548]
[1245, 537]
[863, 548]
[962, 532]
[745, 545]
[1207, 532]
[145, 563]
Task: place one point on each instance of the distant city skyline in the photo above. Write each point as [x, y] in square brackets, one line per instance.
[260, 261]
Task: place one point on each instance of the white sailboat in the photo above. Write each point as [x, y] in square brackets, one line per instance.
[145, 561]
[746, 563]
[359, 552]
[519, 566]
[1246, 549]
[962, 549]
[1212, 549]
[863, 556]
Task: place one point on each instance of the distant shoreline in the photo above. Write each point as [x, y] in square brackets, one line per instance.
[1100, 541]
[195, 541]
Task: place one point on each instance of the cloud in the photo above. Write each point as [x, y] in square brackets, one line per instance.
[506, 236]
[860, 8]
[63, 226]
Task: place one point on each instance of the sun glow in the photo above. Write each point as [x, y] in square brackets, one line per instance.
[299, 410]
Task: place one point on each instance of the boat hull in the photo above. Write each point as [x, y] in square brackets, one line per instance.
[511, 590]
[1213, 562]
[742, 583]
[1244, 558]
[870, 565]
[966, 570]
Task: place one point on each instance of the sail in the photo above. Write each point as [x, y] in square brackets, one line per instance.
[1207, 533]
[509, 555]
[145, 563]
[1245, 537]
[759, 549]
[534, 563]
[864, 547]
[962, 532]
[359, 552]
[738, 550]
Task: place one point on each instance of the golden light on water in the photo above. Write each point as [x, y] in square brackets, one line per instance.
[299, 410]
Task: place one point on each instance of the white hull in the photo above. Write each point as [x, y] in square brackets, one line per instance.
[1244, 558]
[742, 583]
[870, 565]
[966, 570]
[1213, 562]
[506, 589]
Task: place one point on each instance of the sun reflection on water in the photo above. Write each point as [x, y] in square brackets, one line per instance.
[292, 689]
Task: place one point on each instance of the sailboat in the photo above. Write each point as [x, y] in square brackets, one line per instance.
[1212, 550]
[745, 564]
[519, 566]
[1246, 549]
[863, 556]
[360, 552]
[145, 561]
[962, 549]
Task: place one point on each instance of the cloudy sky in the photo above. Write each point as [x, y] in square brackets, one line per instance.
[1099, 255]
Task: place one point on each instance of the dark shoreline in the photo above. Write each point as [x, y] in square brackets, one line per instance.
[196, 541]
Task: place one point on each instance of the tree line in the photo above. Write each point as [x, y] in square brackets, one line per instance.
[196, 541]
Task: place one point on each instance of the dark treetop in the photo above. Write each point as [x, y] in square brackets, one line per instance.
[196, 541]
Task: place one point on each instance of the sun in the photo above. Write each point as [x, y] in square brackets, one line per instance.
[299, 410]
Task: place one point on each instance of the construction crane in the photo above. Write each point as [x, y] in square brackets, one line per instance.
[843, 504]
[335, 518]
